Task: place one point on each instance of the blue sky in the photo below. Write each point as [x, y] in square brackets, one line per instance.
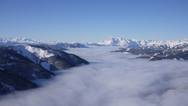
[94, 20]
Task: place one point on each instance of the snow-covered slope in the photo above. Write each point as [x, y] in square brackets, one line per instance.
[22, 63]
[47, 56]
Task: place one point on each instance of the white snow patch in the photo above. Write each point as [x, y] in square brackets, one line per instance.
[39, 52]
[32, 53]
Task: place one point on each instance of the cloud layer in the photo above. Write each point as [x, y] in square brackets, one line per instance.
[112, 79]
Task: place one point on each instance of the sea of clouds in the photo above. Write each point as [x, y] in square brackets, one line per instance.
[112, 79]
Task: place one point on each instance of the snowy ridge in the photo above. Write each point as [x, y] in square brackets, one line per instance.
[151, 49]
[131, 43]
[32, 52]
[23, 64]
[116, 41]
[22, 40]
[39, 52]
[18, 40]
[21, 49]
[35, 55]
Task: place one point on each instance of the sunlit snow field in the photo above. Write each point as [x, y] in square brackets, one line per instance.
[112, 79]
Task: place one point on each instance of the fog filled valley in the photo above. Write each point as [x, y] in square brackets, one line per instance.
[110, 79]
[93, 52]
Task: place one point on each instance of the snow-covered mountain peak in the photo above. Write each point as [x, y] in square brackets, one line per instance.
[116, 41]
[18, 40]
[132, 43]
[22, 40]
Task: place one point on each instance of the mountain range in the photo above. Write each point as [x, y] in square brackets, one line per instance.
[152, 49]
[25, 61]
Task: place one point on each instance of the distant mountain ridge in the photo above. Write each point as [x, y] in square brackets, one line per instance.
[18, 40]
[113, 41]
[132, 43]
[22, 40]
[152, 49]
